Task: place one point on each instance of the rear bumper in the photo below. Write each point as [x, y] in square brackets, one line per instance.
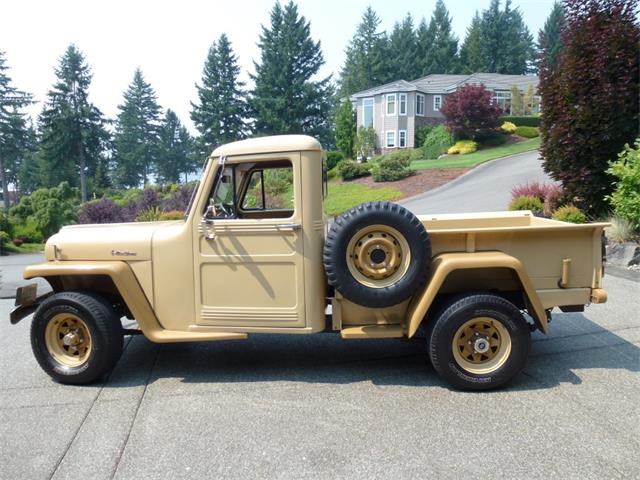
[26, 302]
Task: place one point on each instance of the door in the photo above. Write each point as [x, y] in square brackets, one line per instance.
[248, 249]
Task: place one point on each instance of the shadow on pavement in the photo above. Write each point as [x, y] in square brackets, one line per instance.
[327, 359]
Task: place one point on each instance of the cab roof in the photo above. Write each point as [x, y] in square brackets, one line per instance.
[272, 144]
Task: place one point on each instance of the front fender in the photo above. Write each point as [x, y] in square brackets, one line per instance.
[446, 263]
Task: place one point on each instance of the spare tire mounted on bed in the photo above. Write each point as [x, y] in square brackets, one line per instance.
[377, 254]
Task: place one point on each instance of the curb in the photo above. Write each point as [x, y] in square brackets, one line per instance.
[459, 179]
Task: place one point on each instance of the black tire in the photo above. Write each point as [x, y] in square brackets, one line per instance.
[104, 327]
[461, 311]
[346, 227]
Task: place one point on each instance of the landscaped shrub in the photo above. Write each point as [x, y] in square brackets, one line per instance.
[333, 158]
[100, 211]
[348, 169]
[569, 213]
[391, 167]
[463, 147]
[620, 231]
[625, 199]
[522, 121]
[437, 142]
[554, 198]
[5, 238]
[526, 202]
[421, 133]
[179, 198]
[151, 214]
[365, 142]
[508, 127]
[470, 111]
[28, 231]
[416, 154]
[527, 132]
[534, 189]
[492, 139]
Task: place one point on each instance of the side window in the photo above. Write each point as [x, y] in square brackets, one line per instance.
[269, 189]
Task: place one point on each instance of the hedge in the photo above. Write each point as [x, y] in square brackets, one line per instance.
[522, 121]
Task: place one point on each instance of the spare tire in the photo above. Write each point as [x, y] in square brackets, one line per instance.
[377, 254]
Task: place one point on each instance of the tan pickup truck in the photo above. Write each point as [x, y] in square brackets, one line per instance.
[255, 254]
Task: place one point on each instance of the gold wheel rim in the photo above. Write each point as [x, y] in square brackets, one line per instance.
[481, 345]
[68, 339]
[378, 255]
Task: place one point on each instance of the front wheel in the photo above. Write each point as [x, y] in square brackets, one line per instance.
[479, 342]
[76, 337]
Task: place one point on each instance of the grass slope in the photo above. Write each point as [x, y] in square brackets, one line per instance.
[481, 156]
[343, 196]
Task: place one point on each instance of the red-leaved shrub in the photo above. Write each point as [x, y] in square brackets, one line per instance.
[471, 112]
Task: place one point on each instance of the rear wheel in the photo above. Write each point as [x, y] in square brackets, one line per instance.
[479, 342]
[76, 337]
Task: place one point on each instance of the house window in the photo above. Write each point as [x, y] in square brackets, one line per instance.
[437, 102]
[402, 100]
[503, 100]
[367, 112]
[391, 139]
[402, 138]
[419, 104]
[391, 104]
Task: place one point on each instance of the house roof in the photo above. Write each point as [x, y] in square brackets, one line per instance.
[445, 83]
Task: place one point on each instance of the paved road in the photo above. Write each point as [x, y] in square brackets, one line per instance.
[486, 188]
[11, 268]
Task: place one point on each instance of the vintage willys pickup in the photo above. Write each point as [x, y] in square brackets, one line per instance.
[255, 254]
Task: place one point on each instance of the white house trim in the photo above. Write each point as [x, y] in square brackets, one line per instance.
[437, 103]
[424, 102]
[386, 104]
[402, 139]
[373, 111]
[402, 98]
[386, 139]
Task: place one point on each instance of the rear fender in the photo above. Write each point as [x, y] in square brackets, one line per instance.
[446, 263]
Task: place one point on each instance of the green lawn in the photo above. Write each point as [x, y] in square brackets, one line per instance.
[343, 196]
[24, 248]
[481, 156]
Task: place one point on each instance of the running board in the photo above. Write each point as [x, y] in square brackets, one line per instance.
[372, 331]
[171, 336]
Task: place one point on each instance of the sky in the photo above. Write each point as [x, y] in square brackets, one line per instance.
[169, 40]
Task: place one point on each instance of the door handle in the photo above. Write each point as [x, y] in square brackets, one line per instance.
[290, 226]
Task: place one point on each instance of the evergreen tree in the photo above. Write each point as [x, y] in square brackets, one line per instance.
[175, 155]
[549, 37]
[424, 40]
[441, 55]
[471, 51]
[285, 98]
[403, 44]
[367, 62]
[346, 129]
[221, 110]
[136, 138]
[506, 45]
[73, 129]
[517, 102]
[13, 131]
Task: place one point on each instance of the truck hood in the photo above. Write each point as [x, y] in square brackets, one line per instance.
[112, 241]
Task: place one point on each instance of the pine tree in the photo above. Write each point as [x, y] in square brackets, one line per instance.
[441, 56]
[73, 129]
[424, 40]
[136, 139]
[175, 156]
[346, 129]
[506, 45]
[549, 37]
[285, 98]
[471, 51]
[517, 102]
[367, 61]
[13, 131]
[221, 110]
[403, 44]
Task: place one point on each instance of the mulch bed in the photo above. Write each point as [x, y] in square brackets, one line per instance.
[420, 182]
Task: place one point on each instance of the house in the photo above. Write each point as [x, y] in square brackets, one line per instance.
[397, 108]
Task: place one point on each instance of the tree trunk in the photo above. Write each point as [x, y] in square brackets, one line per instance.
[83, 171]
[5, 186]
